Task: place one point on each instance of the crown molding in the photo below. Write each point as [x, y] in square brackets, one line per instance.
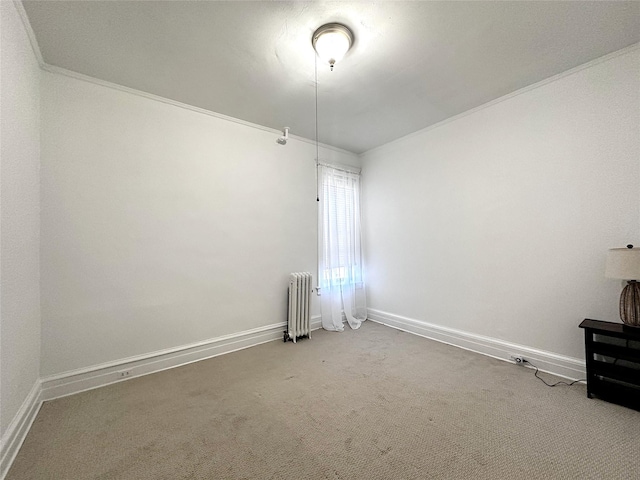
[528, 88]
[30, 33]
[86, 78]
[150, 96]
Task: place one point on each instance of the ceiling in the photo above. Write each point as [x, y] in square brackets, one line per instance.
[413, 64]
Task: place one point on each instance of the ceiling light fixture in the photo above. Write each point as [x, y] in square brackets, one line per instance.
[332, 41]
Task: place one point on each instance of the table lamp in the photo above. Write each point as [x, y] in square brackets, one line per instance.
[624, 263]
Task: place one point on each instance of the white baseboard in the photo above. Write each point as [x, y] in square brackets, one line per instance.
[69, 383]
[96, 376]
[77, 381]
[18, 428]
[563, 366]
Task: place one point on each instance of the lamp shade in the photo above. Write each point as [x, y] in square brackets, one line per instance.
[332, 41]
[623, 263]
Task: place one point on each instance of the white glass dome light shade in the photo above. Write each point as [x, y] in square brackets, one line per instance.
[332, 41]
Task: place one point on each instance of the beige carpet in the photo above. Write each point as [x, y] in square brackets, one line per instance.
[369, 404]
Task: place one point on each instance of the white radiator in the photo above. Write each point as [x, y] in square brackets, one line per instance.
[299, 324]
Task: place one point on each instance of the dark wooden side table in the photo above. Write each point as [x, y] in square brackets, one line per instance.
[613, 362]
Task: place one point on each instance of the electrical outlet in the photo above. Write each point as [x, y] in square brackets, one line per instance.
[518, 359]
[124, 373]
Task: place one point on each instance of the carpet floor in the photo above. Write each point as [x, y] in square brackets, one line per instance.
[374, 403]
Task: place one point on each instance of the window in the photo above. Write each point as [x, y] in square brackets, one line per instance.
[340, 257]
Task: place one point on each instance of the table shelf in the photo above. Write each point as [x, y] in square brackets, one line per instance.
[613, 362]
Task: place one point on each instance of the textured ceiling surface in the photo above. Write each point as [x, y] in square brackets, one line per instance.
[413, 64]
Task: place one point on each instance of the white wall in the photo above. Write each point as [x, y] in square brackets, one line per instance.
[19, 205]
[498, 222]
[162, 226]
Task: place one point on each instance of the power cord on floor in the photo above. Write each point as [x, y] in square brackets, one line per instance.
[550, 384]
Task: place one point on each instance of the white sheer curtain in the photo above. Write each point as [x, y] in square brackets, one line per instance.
[340, 257]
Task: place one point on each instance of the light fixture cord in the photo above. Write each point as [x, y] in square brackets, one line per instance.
[315, 59]
[318, 253]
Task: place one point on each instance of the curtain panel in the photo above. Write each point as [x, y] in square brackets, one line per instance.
[340, 269]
